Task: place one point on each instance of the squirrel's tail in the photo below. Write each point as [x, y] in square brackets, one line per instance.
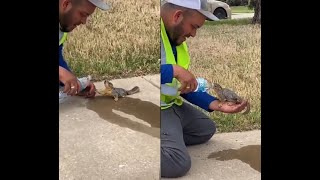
[248, 109]
[133, 90]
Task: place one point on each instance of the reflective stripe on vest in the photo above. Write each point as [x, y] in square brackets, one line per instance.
[63, 38]
[169, 91]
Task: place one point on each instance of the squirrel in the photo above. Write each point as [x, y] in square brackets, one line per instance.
[116, 92]
[226, 95]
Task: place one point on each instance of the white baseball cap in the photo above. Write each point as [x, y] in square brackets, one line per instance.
[100, 4]
[199, 5]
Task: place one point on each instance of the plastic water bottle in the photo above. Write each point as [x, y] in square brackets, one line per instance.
[203, 85]
[84, 82]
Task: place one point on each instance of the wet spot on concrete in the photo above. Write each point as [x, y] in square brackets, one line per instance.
[144, 110]
[250, 154]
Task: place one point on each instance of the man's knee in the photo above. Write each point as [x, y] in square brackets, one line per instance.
[210, 131]
[204, 135]
[174, 163]
[212, 128]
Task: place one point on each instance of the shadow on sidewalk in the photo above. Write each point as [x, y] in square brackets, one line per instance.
[144, 110]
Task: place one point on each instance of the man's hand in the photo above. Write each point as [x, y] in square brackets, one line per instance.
[70, 81]
[217, 105]
[89, 91]
[187, 79]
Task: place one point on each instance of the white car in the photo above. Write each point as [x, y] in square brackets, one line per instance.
[220, 9]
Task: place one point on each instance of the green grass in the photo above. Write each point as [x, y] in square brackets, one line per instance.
[241, 9]
[230, 56]
[242, 21]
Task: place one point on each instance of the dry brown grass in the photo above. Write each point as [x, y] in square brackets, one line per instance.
[124, 42]
[230, 55]
[121, 42]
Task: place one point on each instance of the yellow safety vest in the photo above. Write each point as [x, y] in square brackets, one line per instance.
[169, 91]
[63, 38]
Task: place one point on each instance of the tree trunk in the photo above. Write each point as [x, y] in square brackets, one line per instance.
[257, 13]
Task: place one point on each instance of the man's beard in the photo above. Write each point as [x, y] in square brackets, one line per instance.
[63, 28]
[64, 22]
[176, 34]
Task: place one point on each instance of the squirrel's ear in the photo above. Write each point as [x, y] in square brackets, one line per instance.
[110, 84]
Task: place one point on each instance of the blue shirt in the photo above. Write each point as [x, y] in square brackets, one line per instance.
[62, 62]
[201, 99]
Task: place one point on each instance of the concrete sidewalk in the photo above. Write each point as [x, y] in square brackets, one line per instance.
[103, 139]
[226, 156]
